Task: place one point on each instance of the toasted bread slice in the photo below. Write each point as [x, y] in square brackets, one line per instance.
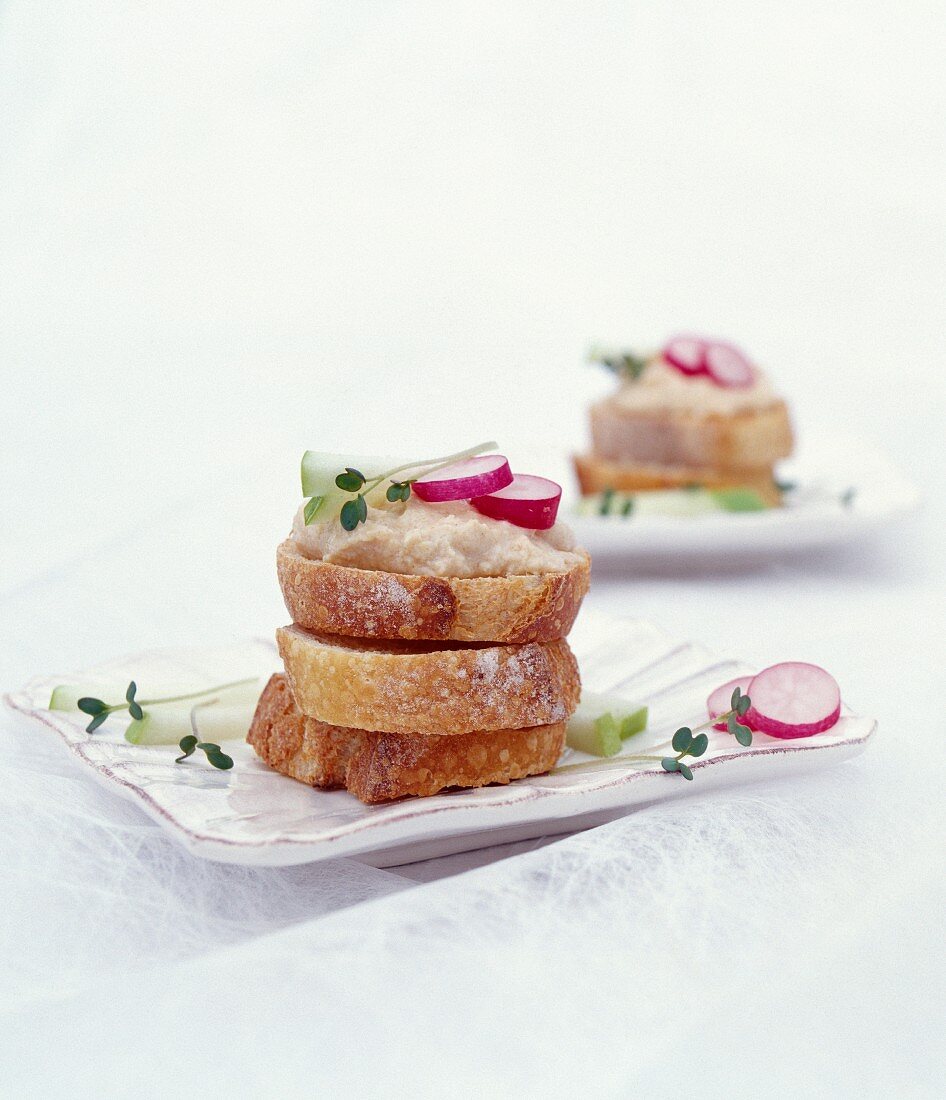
[428, 687]
[377, 767]
[747, 439]
[366, 603]
[595, 475]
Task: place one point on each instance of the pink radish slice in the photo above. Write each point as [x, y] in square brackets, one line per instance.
[727, 366]
[721, 699]
[793, 699]
[473, 477]
[687, 354]
[528, 502]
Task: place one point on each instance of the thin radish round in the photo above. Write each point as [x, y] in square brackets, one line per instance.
[473, 477]
[793, 699]
[727, 366]
[687, 354]
[720, 700]
[528, 502]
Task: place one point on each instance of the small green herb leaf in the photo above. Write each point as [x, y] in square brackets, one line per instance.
[698, 745]
[743, 705]
[681, 739]
[349, 515]
[394, 492]
[220, 760]
[311, 510]
[362, 505]
[96, 721]
[685, 772]
[130, 693]
[134, 709]
[736, 695]
[670, 764]
[351, 480]
[88, 705]
[743, 735]
[187, 745]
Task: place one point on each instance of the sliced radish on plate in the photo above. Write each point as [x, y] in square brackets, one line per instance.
[793, 699]
[727, 366]
[720, 701]
[687, 354]
[473, 477]
[528, 502]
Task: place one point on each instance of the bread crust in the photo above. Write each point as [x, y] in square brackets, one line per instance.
[746, 439]
[367, 603]
[597, 474]
[378, 767]
[428, 687]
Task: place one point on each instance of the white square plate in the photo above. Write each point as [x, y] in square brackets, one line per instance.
[254, 816]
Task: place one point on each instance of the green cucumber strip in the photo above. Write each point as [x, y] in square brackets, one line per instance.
[320, 468]
[635, 722]
[166, 725]
[601, 722]
[739, 500]
[67, 696]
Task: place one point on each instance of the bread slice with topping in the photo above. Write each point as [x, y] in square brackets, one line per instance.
[428, 687]
[373, 603]
[597, 475]
[377, 767]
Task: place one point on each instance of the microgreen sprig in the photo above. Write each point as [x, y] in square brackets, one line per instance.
[625, 364]
[216, 757]
[692, 743]
[99, 710]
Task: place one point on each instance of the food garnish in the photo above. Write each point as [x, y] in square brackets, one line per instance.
[687, 354]
[340, 485]
[693, 743]
[719, 701]
[66, 697]
[690, 501]
[602, 723]
[794, 699]
[337, 485]
[472, 477]
[215, 755]
[625, 364]
[529, 501]
[693, 356]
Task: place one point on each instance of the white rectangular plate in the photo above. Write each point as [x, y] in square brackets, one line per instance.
[844, 490]
[254, 816]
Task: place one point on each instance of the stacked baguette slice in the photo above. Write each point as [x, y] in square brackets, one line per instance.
[401, 685]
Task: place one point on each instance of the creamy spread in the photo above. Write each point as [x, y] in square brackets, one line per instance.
[661, 386]
[439, 540]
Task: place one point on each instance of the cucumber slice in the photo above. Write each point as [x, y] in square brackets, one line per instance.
[67, 696]
[739, 500]
[166, 725]
[320, 468]
[602, 722]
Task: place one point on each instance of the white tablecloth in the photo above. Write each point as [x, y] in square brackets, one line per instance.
[229, 234]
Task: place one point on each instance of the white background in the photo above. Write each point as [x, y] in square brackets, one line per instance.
[230, 232]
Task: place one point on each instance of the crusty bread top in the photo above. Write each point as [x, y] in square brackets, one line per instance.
[339, 599]
[424, 688]
[749, 438]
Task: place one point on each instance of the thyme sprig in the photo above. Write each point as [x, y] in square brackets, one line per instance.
[99, 710]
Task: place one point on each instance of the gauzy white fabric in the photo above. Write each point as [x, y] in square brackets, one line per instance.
[233, 232]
